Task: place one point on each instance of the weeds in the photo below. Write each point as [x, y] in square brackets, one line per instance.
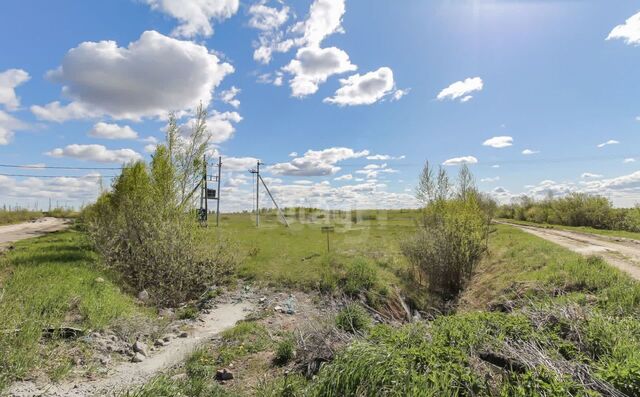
[353, 318]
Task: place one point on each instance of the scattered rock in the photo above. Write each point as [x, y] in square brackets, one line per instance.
[224, 374]
[167, 338]
[140, 347]
[143, 295]
[278, 309]
[262, 300]
[105, 360]
[159, 343]
[183, 334]
[137, 358]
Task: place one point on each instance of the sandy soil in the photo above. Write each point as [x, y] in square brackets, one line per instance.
[127, 375]
[619, 252]
[21, 231]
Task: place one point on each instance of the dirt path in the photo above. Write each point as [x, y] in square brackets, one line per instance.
[621, 253]
[127, 375]
[22, 231]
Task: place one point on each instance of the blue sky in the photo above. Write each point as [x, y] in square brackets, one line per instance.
[343, 100]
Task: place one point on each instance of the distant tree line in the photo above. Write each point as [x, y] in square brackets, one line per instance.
[576, 209]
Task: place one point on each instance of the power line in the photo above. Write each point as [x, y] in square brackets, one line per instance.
[54, 167]
[58, 176]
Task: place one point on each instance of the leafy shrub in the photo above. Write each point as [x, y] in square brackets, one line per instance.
[576, 209]
[144, 231]
[353, 318]
[453, 233]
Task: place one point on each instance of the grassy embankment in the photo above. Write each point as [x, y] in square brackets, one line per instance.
[579, 229]
[50, 282]
[568, 325]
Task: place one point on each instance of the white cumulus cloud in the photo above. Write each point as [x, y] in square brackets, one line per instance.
[590, 175]
[499, 142]
[317, 162]
[312, 66]
[461, 160]
[363, 89]
[9, 80]
[461, 89]
[629, 31]
[229, 96]
[8, 126]
[195, 16]
[112, 131]
[267, 18]
[145, 79]
[97, 153]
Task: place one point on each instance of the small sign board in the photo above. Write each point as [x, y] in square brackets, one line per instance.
[327, 230]
[211, 194]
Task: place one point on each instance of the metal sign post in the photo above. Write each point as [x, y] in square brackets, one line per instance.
[327, 230]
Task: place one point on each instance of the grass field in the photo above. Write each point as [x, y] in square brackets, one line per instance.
[581, 229]
[50, 282]
[567, 312]
[297, 256]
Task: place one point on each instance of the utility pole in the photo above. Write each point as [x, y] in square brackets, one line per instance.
[206, 190]
[218, 199]
[257, 172]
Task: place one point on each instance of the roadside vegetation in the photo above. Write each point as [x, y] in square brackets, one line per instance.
[495, 311]
[49, 285]
[145, 232]
[10, 216]
[575, 210]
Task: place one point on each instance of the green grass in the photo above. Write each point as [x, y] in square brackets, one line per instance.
[575, 310]
[297, 256]
[580, 229]
[53, 281]
[519, 260]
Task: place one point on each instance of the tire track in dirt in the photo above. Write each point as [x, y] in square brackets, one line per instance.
[22, 231]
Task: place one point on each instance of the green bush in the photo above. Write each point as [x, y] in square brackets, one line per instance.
[453, 232]
[576, 209]
[143, 228]
[353, 318]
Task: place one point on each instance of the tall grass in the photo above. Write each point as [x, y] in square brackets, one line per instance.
[48, 282]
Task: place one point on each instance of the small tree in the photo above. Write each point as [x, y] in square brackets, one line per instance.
[453, 231]
[145, 232]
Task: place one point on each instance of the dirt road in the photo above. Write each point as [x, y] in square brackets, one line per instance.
[21, 231]
[619, 252]
[129, 375]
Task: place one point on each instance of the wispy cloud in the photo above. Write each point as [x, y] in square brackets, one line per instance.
[609, 142]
